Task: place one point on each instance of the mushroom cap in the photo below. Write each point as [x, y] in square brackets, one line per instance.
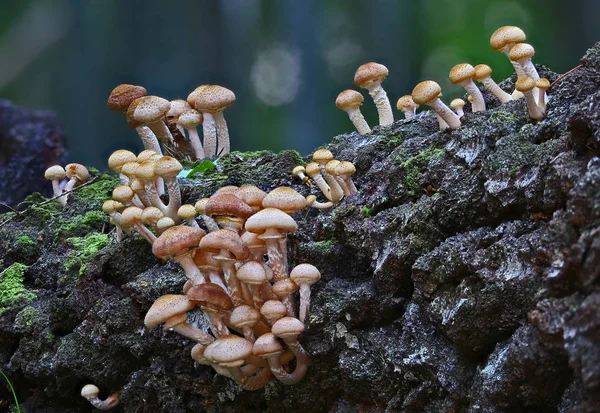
[147, 110]
[130, 168]
[211, 296]
[313, 169]
[137, 185]
[89, 391]
[426, 91]
[349, 99]
[122, 193]
[178, 106]
[252, 240]
[305, 274]
[78, 171]
[189, 119]
[543, 83]
[167, 167]
[481, 72]
[252, 272]
[211, 98]
[369, 73]
[244, 316]
[284, 287]
[121, 97]
[227, 205]
[55, 172]
[109, 206]
[298, 170]
[151, 215]
[197, 353]
[146, 154]
[406, 102]
[267, 345]
[200, 205]
[207, 259]
[130, 216]
[521, 51]
[229, 351]
[119, 158]
[525, 84]
[286, 199]
[145, 170]
[273, 309]
[505, 35]
[223, 239]
[461, 73]
[270, 218]
[164, 223]
[251, 195]
[322, 156]
[287, 327]
[345, 168]
[331, 166]
[166, 307]
[227, 189]
[457, 103]
[177, 240]
[186, 211]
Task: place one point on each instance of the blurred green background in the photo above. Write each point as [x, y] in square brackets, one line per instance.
[286, 60]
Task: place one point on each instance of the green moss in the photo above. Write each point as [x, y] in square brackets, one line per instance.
[393, 140]
[84, 248]
[12, 288]
[100, 190]
[500, 116]
[81, 224]
[24, 241]
[413, 166]
[323, 245]
[412, 181]
[28, 320]
[365, 212]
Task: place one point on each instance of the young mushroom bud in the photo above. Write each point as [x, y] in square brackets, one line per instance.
[408, 106]
[428, 93]
[56, 173]
[305, 275]
[457, 105]
[369, 76]
[483, 74]
[187, 213]
[244, 318]
[349, 101]
[214, 99]
[311, 201]
[299, 172]
[462, 74]
[90, 393]
[526, 85]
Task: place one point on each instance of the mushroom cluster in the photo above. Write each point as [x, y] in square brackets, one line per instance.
[236, 269]
[507, 39]
[333, 177]
[66, 179]
[159, 121]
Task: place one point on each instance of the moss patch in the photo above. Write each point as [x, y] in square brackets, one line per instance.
[82, 224]
[365, 212]
[12, 288]
[24, 241]
[100, 190]
[84, 248]
[414, 164]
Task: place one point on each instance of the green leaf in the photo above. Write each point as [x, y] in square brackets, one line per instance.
[202, 168]
[12, 390]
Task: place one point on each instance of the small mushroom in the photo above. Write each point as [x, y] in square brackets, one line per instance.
[428, 92]
[116, 161]
[190, 120]
[244, 318]
[462, 74]
[288, 329]
[457, 105]
[503, 40]
[177, 243]
[542, 85]
[273, 310]
[526, 85]
[322, 157]
[369, 76]
[299, 172]
[56, 173]
[210, 223]
[305, 275]
[131, 218]
[254, 275]
[187, 213]
[268, 346]
[229, 211]
[150, 111]
[90, 393]
[251, 195]
[483, 74]
[214, 99]
[349, 101]
[408, 106]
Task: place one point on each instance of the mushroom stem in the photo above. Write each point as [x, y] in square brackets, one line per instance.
[145, 232]
[311, 201]
[258, 381]
[493, 87]
[222, 134]
[161, 131]
[275, 258]
[193, 333]
[386, 117]
[445, 113]
[535, 112]
[441, 122]
[148, 138]
[195, 143]
[191, 270]
[358, 120]
[174, 198]
[478, 104]
[304, 301]
[90, 393]
[210, 134]
[282, 375]
[233, 284]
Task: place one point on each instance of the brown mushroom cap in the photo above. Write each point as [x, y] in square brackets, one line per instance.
[211, 296]
[481, 72]
[349, 99]
[177, 240]
[521, 51]
[119, 158]
[270, 218]
[121, 97]
[223, 239]
[55, 172]
[146, 110]
[165, 307]
[251, 195]
[287, 327]
[543, 83]
[167, 166]
[227, 205]
[284, 287]
[252, 272]
[244, 316]
[267, 345]
[286, 199]
[273, 310]
[505, 35]
[78, 171]
[461, 72]
[525, 84]
[305, 274]
[322, 156]
[368, 73]
[212, 98]
[228, 189]
[426, 91]
[229, 351]
[406, 102]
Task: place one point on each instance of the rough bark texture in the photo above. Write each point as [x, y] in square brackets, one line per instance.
[464, 277]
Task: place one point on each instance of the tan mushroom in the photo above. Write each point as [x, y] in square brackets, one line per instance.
[349, 101]
[370, 76]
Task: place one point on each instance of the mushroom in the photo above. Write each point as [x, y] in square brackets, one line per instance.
[542, 85]
[428, 92]
[526, 85]
[210, 267]
[124, 194]
[313, 170]
[190, 120]
[462, 74]
[163, 224]
[283, 289]
[170, 306]
[244, 318]
[311, 201]
[90, 393]
[131, 217]
[457, 105]
[305, 275]
[408, 106]
[522, 54]
[273, 310]
[254, 275]
[116, 161]
[168, 168]
[178, 106]
[483, 74]
[175, 243]
[345, 170]
[503, 40]
[369, 76]
[272, 224]
[187, 213]
[138, 187]
[267, 346]
[77, 174]
[56, 173]
[149, 111]
[288, 329]
[214, 301]
[213, 100]
[151, 215]
[322, 156]
[252, 196]
[299, 172]
[145, 172]
[349, 101]
[229, 211]
[210, 223]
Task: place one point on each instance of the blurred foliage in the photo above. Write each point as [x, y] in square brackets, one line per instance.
[286, 60]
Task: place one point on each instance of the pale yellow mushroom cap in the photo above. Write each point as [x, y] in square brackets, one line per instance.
[349, 99]
[146, 154]
[145, 170]
[331, 166]
[167, 166]
[543, 83]
[370, 73]
[426, 91]
[122, 193]
[345, 168]
[130, 216]
[313, 169]
[457, 103]
[481, 72]
[298, 170]
[505, 35]
[461, 72]
[119, 158]
[164, 223]
[525, 84]
[521, 51]
[322, 156]
[55, 172]
[270, 218]
[200, 205]
[211, 98]
[151, 215]
[186, 211]
[305, 274]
